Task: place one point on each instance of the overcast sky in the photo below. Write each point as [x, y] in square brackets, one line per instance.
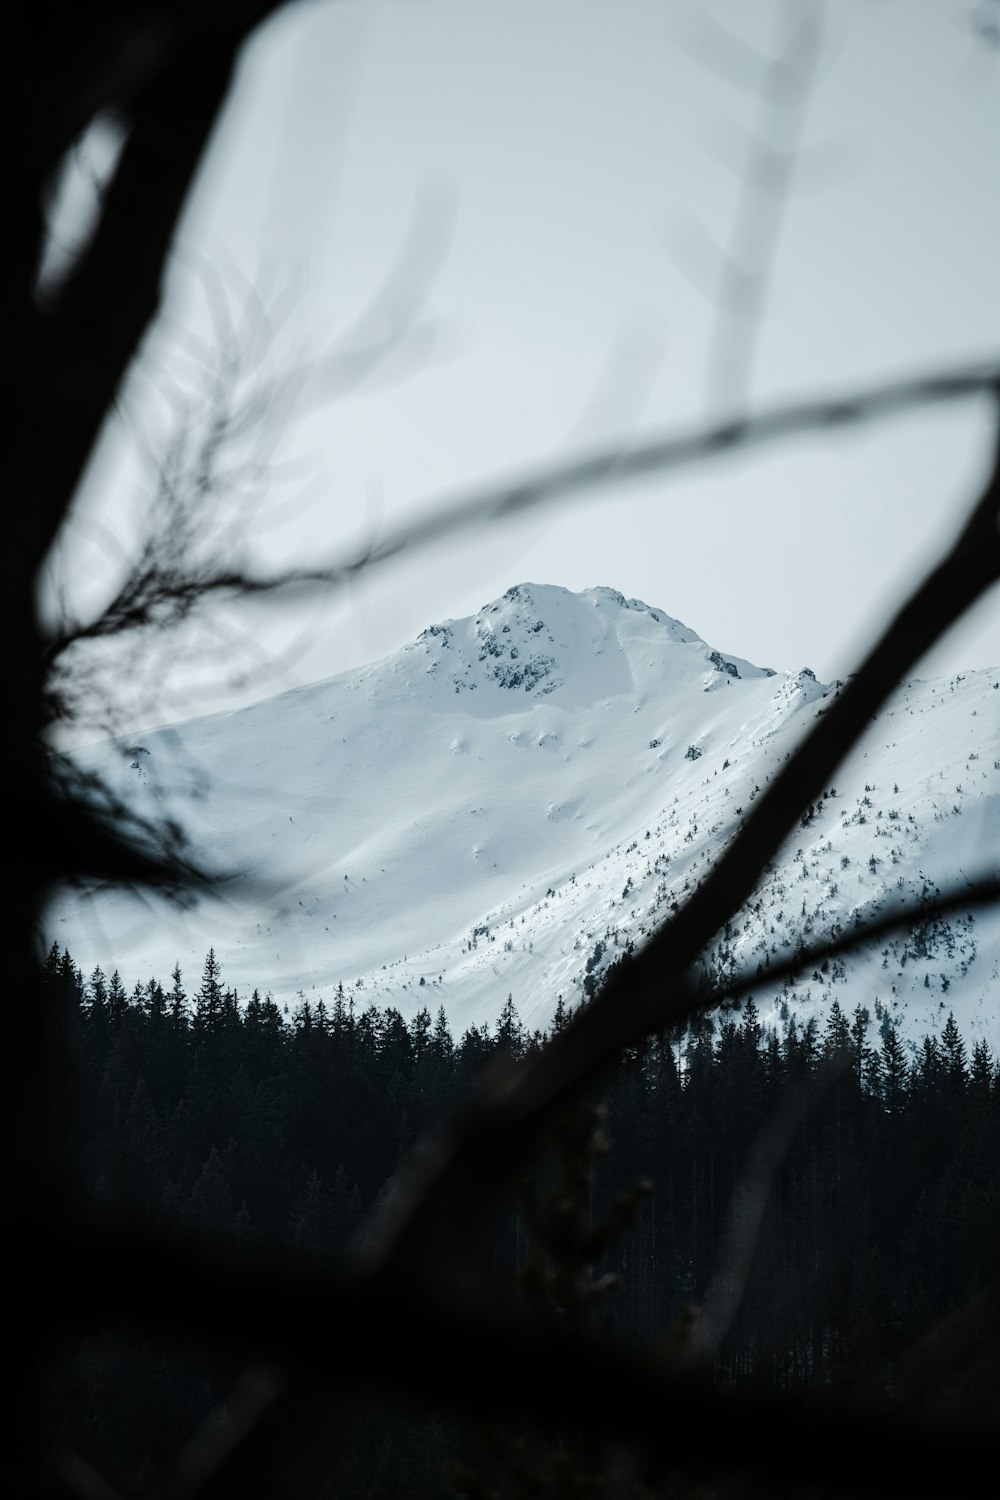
[564, 177]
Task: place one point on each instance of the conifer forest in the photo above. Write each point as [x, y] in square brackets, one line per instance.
[215, 1115]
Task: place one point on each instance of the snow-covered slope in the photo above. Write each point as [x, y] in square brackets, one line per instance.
[501, 805]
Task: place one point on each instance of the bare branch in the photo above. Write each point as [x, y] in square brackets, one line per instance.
[77, 355]
[950, 1342]
[397, 1337]
[965, 896]
[89, 833]
[746, 1213]
[653, 988]
[581, 477]
[770, 165]
[219, 461]
[213, 1448]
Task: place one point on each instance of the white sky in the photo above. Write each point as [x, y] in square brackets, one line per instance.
[578, 152]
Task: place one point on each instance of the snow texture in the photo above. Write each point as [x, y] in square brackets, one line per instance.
[511, 794]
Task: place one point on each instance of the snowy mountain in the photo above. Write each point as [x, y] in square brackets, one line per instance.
[500, 806]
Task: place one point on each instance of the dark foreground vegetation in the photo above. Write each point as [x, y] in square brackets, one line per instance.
[830, 1200]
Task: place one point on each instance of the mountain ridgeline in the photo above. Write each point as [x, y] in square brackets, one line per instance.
[509, 802]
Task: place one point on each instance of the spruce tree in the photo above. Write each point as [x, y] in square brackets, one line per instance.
[510, 1032]
[861, 1053]
[837, 1035]
[420, 1035]
[953, 1051]
[441, 1041]
[208, 1005]
[893, 1073]
[117, 1001]
[981, 1073]
[178, 1001]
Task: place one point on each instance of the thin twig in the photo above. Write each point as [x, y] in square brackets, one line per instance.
[581, 477]
[963, 896]
[949, 1342]
[653, 988]
[766, 184]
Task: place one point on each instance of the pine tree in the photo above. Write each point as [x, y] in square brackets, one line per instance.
[178, 1001]
[510, 1032]
[366, 1031]
[117, 1001]
[809, 1045]
[97, 991]
[420, 1035]
[894, 1073]
[560, 1017]
[750, 1028]
[441, 1040]
[342, 1019]
[231, 1011]
[263, 1037]
[774, 1067]
[154, 1003]
[981, 1073]
[395, 1048]
[953, 1052]
[860, 1053]
[837, 1035]
[68, 984]
[208, 1006]
[928, 1067]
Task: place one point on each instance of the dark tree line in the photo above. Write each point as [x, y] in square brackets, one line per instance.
[236, 1119]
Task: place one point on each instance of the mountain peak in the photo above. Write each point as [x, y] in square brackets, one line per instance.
[541, 638]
